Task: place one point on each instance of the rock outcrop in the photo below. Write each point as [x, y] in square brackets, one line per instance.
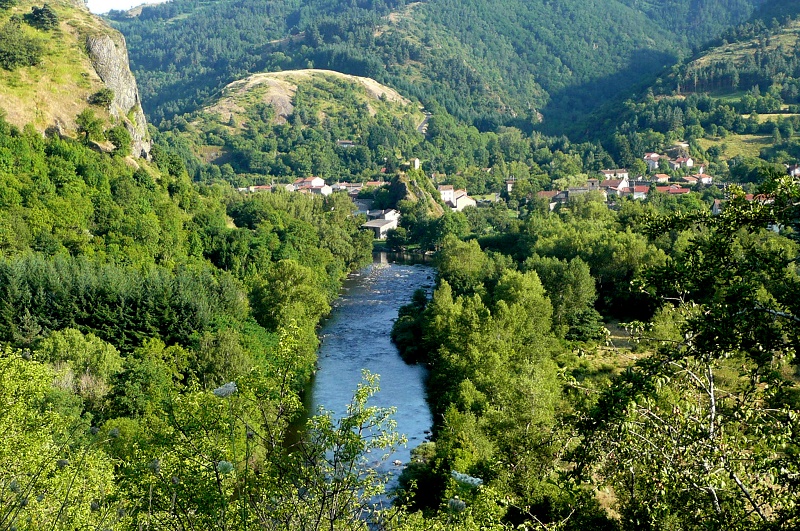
[109, 58]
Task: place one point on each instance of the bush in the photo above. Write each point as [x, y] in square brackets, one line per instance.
[121, 138]
[44, 18]
[102, 97]
[16, 49]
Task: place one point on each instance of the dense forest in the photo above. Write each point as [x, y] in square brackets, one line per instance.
[473, 58]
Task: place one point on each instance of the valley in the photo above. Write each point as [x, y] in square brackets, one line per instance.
[196, 335]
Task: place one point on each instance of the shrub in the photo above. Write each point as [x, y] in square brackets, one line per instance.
[44, 18]
[16, 49]
[102, 97]
[121, 138]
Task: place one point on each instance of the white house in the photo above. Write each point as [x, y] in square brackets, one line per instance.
[380, 227]
[384, 214]
[446, 192]
[614, 186]
[309, 182]
[461, 201]
[651, 159]
[321, 190]
[620, 173]
[383, 222]
[636, 191]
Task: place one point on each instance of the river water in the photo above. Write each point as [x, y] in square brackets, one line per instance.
[356, 336]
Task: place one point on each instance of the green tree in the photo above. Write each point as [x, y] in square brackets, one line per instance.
[704, 431]
[55, 474]
[89, 125]
[44, 18]
[121, 138]
[102, 97]
[16, 49]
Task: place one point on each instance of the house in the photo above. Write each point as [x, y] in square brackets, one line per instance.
[615, 174]
[375, 184]
[510, 186]
[345, 143]
[446, 192]
[416, 164]
[553, 197]
[321, 190]
[661, 178]
[461, 201]
[389, 213]
[651, 159]
[613, 186]
[794, 171]
[592, 185]
[690, 179]
[256, 188]
[383, 222]
[380, 227]
[673, 189]
[636, 191]
[703, 178]
[347, 187]
[685, 162]
[309, 182]
[716, 208]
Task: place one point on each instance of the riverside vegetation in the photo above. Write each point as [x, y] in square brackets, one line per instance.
[591, 367]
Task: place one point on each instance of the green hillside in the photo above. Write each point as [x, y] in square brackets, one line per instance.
[737, 99]
[283, 125]
[57, 61]
[488, 63]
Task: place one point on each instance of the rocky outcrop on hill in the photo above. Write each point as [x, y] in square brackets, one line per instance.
[109, 58]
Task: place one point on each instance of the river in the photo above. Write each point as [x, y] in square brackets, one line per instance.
[356, 336]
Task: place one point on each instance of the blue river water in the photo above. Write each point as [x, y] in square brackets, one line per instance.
[356, 336]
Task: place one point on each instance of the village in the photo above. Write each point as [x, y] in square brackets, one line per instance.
[611, 184]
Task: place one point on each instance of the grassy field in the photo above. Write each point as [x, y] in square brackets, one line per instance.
[772, 117]
[744, 145]
[738, 51]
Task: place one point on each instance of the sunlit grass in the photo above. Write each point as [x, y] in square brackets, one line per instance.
[733, 145]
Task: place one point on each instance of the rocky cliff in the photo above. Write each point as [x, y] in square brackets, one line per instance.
[109, 57]
[78, 57]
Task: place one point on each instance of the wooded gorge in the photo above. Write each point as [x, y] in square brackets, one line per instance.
[602, 352]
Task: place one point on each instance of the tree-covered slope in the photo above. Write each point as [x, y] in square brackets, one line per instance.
[283, 125]
[485, 62]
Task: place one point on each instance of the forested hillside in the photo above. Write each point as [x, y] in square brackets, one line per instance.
[279, 126]
[486, 63]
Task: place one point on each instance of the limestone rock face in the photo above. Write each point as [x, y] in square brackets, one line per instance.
[109, 58]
